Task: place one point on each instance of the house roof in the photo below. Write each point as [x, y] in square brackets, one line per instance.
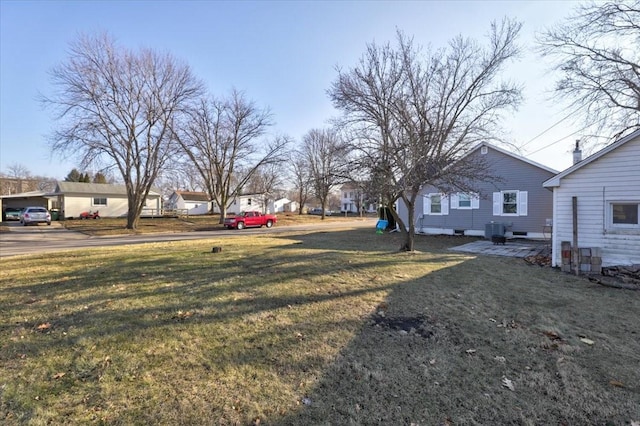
[510, 154]
[64, 187]
[555, 181]
[193, 196]
[30, 194]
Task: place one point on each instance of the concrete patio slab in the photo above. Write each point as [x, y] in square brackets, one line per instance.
[510, 248]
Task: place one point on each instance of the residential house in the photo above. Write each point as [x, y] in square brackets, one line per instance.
[282, 205]
[514, 204]
[190, 202]
[606, 188]
[73, 198]
[247, 202]
[351, 196]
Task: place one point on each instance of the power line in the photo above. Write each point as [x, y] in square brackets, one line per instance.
[563, 138]
[546, 130]
[559, 140]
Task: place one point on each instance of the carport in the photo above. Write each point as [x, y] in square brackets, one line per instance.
[27, 199]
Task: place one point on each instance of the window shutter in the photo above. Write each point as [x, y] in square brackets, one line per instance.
[454, 201]
[475, 201]
[444, 202]
[497, 204]
[523, 199]
[426, 204]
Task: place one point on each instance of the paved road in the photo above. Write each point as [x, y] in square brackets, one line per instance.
[41, 239]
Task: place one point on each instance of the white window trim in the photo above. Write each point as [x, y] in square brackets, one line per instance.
[522, 200]
[444, 204]
[455, 201]
[610, 226]
[93, 201]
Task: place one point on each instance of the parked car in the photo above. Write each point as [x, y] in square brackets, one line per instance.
[11, 213]
[318, 211]
[250, 219]
[35, 215]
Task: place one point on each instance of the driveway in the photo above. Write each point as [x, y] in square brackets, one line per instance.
[42, 238]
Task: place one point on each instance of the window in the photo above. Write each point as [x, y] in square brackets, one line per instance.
[249, 201]
[436, 204]
[465, 201]
[625, 214]
[510, 203]
[99, 201]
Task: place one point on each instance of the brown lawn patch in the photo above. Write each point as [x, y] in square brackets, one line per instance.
[311, 328]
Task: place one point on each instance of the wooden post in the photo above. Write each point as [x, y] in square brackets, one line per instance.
[576, 251]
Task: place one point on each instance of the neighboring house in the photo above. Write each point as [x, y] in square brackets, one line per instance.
[607, 190]
[282, 205]
[515, 204]
[247, 202]
[195, 203]
[73, 198]
[351, 197]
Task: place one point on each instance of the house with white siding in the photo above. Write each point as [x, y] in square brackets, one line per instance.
[606, 186]
[352, 197]
[513, 204]
[193, 202]
[73, 198]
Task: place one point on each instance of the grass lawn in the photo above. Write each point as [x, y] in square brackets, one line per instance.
[116, 226]
[311, 328]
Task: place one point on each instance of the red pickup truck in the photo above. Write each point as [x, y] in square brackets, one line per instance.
[249, 219]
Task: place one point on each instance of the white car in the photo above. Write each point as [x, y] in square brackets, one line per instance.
[35, 215]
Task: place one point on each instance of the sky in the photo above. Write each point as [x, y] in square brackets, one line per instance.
[282, 54]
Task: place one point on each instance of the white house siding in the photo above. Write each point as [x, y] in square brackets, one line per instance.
[116, 205]
[512, 173]
[613, 177]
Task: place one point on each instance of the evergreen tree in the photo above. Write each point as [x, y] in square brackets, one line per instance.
[99, 178]
[73, 176]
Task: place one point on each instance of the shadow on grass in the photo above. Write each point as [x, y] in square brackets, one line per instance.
[471, 331]
[339, 323]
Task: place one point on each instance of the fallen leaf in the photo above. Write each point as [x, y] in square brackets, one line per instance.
[44, 326]
[58, 375]
[587, 341]
[432, 361]
[507, 383]
[616, 383]
[500, 359]
[471, 351]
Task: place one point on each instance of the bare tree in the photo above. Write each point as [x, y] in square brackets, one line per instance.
[302, 182]
[596, 51]
[267, 181]
[221, 138]
[326, 157]
[18, 171]
[418, 113]
[117, 106]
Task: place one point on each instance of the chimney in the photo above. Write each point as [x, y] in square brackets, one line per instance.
[577, 153]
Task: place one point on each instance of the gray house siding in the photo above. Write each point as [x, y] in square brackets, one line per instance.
[513, 173]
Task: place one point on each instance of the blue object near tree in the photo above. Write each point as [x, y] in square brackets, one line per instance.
[382, 225]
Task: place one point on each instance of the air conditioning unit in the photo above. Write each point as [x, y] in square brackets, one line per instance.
[493, 228]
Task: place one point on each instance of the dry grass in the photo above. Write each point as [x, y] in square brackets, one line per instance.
[116, 226]
[311, 328]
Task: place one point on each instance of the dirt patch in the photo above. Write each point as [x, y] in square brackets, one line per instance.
[416, 325]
